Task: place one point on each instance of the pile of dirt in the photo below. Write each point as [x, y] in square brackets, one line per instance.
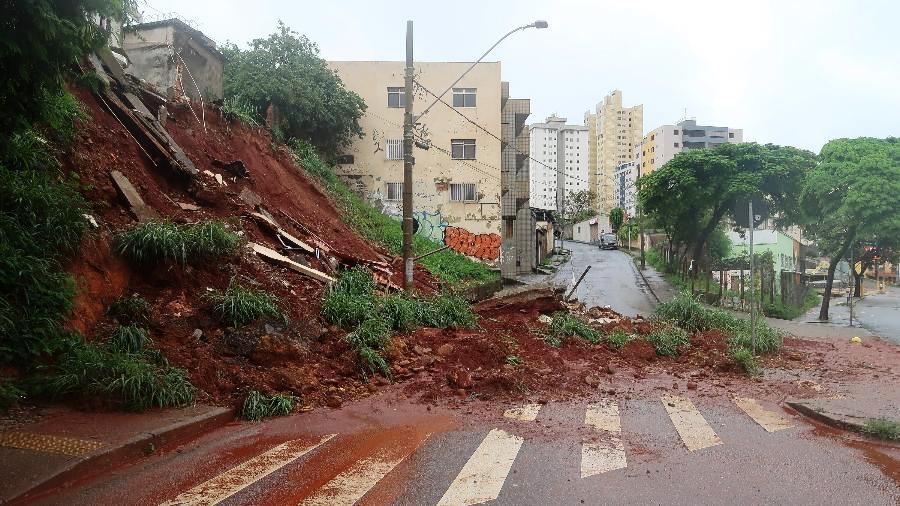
[306, 357]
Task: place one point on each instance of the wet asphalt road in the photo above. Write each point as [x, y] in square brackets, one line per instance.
[799, 465]
[613, 279]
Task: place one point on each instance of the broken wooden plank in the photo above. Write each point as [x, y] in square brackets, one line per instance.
[137, 104]
[141, 210]
[267, 221]
[270, 254]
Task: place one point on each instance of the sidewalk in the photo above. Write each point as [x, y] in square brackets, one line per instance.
[59, 444]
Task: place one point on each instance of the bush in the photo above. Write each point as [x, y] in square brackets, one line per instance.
[129, 339]
[372, 333]
[130, 380]
[130, 309]
[668, 340]
[401, 311]
[237, 108]
[155, 242]
[10, 395]
[882, 428]
[744, 358]
[563, 325]
[446, 310]
[238, 305]
[618, 339]
[258, 406]
[351, 299]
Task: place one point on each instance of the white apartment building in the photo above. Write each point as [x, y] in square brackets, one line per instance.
[625, 187]
[559, 165]
[662, 143]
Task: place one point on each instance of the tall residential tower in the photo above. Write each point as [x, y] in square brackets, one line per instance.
[615, 133]
[562, 153]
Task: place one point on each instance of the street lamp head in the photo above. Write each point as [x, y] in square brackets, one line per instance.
[540, 24]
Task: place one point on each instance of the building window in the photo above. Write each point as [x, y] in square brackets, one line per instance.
[393, 191]
[676, 144]
[675, 132]
[462, 149]
[396, 97]
[463, 97]
[731, 135]
[462, 192]
[393, 149]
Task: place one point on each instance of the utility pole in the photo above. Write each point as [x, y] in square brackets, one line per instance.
[752, 224]
[408, 162]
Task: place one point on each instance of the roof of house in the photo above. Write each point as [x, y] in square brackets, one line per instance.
[196, 35]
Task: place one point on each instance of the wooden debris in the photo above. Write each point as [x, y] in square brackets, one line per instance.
[187, 207]
[141, 210]
[269, 223]
[274, 256]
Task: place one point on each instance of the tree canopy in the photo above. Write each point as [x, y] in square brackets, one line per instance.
[616, 217]
[285, 70]
[852, 194]
[691, 194]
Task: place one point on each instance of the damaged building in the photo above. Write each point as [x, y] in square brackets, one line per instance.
[175, 58]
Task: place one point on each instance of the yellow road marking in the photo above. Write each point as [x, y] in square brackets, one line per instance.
[48, 444]
[769, 420]
[603, 416]
[526, 413]
[482, 478]
[232, 481]
[690, 424]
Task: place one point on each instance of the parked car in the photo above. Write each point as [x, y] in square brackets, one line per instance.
[608, 241]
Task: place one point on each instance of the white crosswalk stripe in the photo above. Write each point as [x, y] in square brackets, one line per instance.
[526, 413]
[769, 420]
[351, 485]
[609, 453]
[690, 424]
[232, 481]
[482, 478]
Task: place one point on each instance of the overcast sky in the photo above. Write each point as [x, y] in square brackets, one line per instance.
[787, 72]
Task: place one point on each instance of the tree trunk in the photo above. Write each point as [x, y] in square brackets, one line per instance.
[707, 230]
[829, 281]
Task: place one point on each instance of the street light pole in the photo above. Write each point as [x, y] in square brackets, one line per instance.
[408, 162]
[409, 122]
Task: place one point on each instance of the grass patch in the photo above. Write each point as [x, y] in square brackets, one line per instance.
[514, 360]
[449, 266]
[130, 309]
[778, 310]
[238, 305]
[129, 339]
[563, 325]
[155, 242]
[258, 406]
[668, 340]
[133, 381]
[353, 304]
[882, 428]
[237, 108]
[745, 359]
[618, 339]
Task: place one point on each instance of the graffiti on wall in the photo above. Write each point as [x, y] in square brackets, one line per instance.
[431, 225]
[483, 246]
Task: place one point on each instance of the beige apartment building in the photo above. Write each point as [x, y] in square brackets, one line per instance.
[615, 130]
[457, 180]
[662, 143]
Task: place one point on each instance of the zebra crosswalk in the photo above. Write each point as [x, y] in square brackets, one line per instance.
[485, 472]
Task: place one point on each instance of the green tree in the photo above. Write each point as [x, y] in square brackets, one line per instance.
[616, 217]
[579, 205]
[284, 70]
[690, 195]
[852, 194]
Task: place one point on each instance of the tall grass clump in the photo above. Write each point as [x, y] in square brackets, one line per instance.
[618, 339]
[155, 242]
[350, 299]
[563, 325]
[668, 340]
[449, 266]
[258, 406]
[130, 309]
[744, 358]
[882, 428]
[238, 108]
[129, 339]
[130, 380]
[238, 305]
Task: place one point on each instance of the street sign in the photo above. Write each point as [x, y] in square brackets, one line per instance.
[760, 212]
[858, 268]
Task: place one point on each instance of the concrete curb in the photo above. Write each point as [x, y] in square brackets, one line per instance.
[830, 419]
[132, 449]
